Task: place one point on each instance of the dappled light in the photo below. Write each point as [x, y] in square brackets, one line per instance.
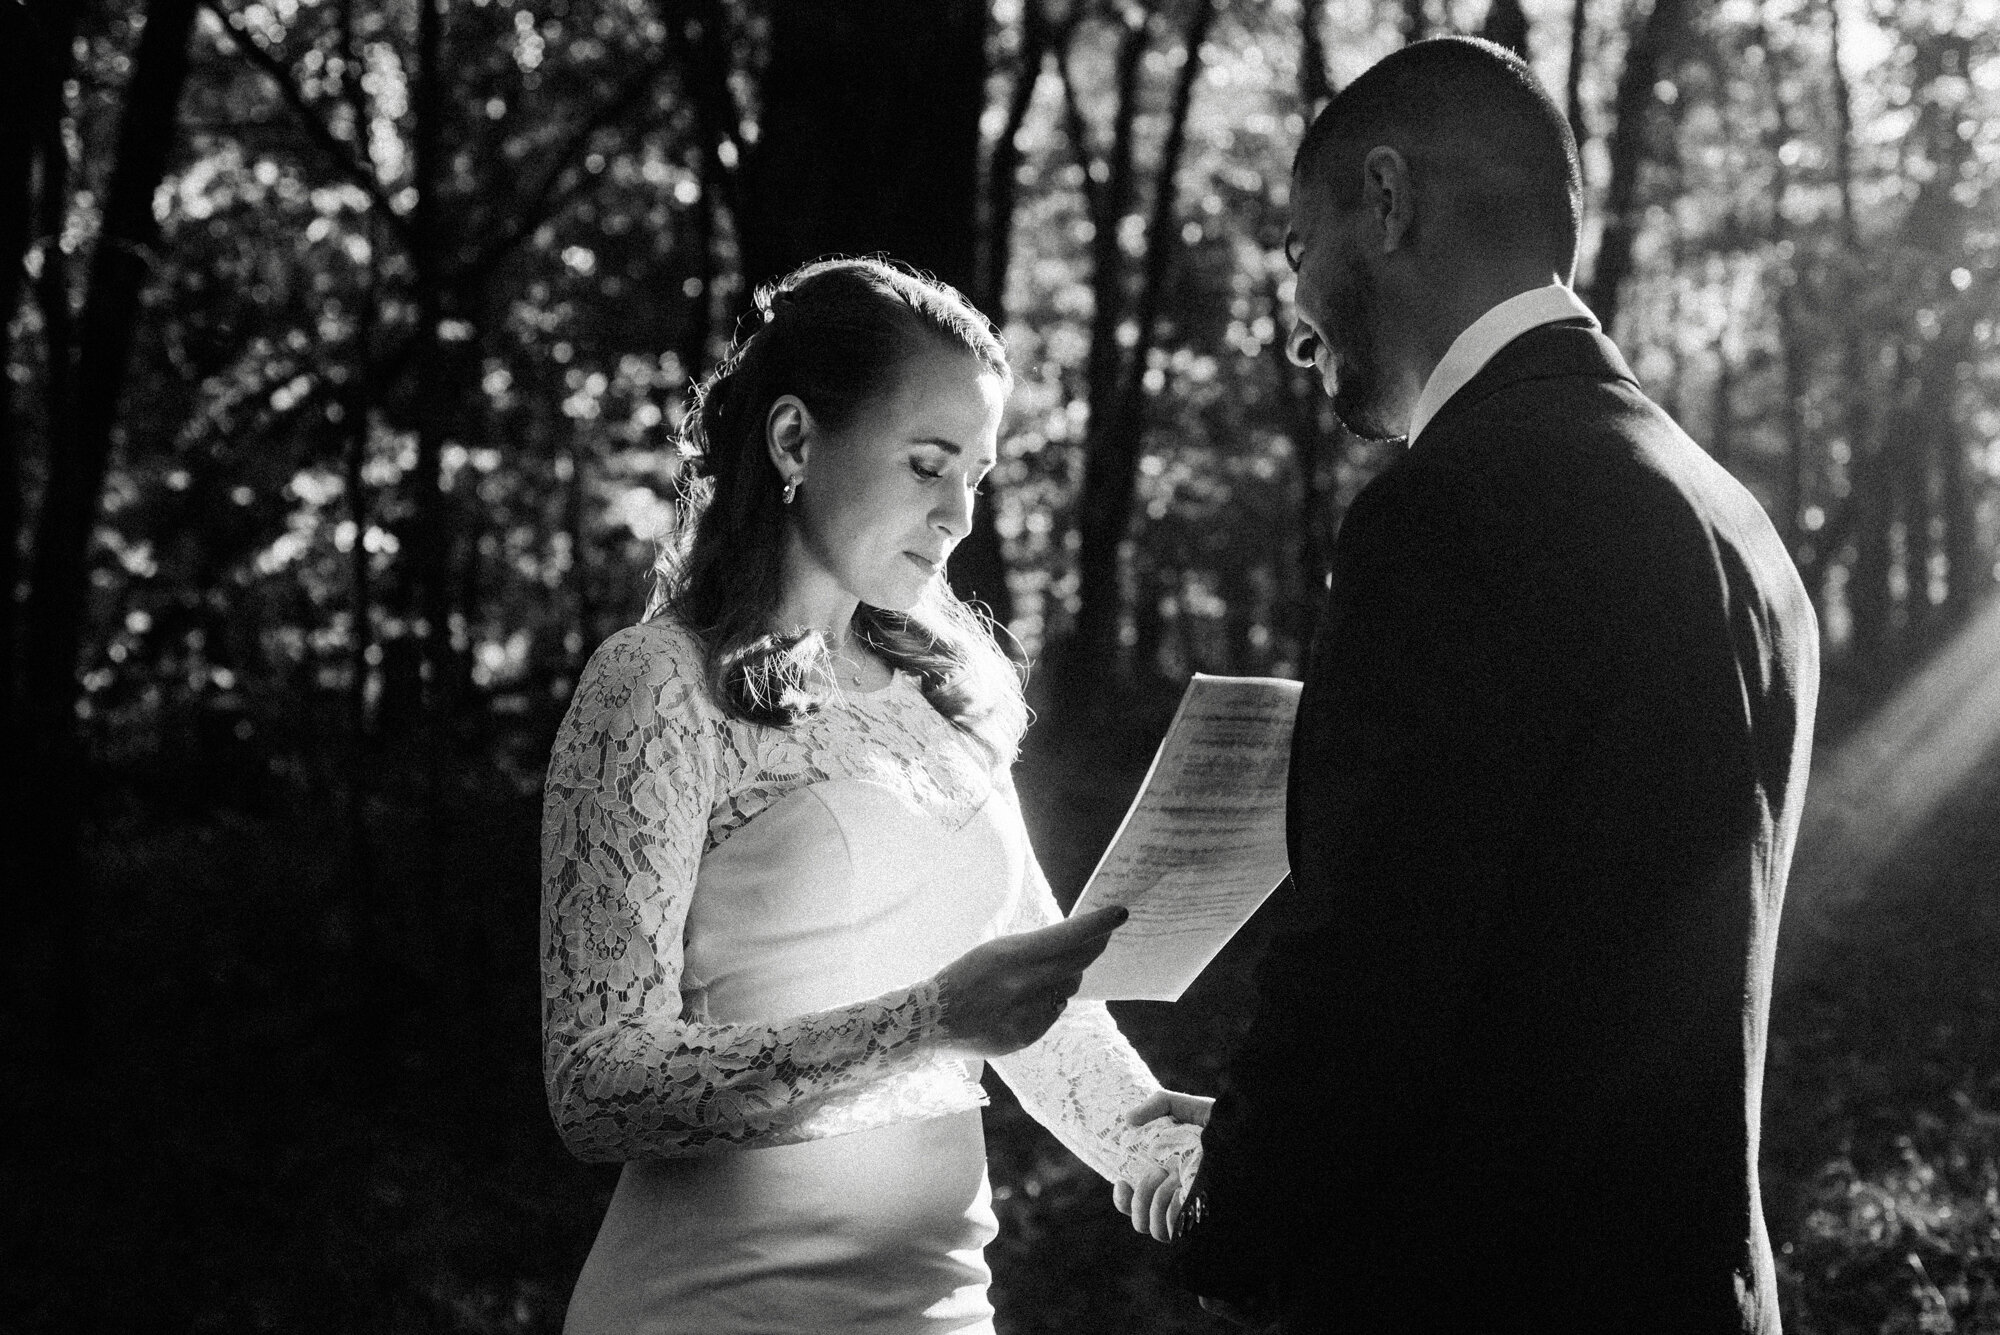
[346, 349]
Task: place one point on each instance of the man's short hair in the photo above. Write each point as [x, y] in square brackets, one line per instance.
[1467, 113]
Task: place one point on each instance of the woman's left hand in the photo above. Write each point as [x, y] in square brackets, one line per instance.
[1191, 1109]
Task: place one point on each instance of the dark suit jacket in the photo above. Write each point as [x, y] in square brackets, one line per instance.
[1506, 1067]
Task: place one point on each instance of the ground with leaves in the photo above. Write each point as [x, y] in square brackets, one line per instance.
[245, 1146]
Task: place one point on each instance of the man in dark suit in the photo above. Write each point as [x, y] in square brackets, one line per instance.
[1506, 1067]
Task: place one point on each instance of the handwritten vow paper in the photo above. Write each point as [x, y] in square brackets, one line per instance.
[1203, 843]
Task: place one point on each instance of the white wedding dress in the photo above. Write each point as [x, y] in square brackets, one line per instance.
[739, 928]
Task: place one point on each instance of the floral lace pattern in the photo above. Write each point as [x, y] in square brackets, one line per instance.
[646, 776]
[1081, 1077]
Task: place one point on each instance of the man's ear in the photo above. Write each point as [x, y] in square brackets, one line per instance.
[788, 435]
[1386, 180]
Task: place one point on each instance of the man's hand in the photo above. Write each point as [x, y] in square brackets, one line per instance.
[1154, 1201]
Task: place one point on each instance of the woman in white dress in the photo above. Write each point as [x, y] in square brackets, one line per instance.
[788, 902]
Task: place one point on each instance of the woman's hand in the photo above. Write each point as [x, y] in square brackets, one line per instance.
[1003, 995]
[1154, 1201]
[1189, 1109]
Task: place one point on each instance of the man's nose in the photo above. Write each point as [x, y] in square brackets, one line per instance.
[1302, 345]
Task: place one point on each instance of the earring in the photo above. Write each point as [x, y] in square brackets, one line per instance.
[791, 489]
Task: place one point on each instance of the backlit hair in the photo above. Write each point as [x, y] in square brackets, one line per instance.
[836, 334]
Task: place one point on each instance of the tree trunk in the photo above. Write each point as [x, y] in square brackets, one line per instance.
[980, 567]
[1958, 499]
[575, 496]
[1091, 653]
[429, 532]
[979, 570]
[1416, 21]
[1867, 586]
[698, 327]
[1938, 225]
[1722, 407]
[1315, 89]
[1039, 38]
[1579, 27]
[869, 139]
[869, 142]
[1637, 100]
[1875, 484]
[147, 131]
[1156, 584]
[1507, 24]
[359, 410]
[704, 62]
[21, 103]
[1794, 375]
[1946, 525]
[1116, 439]
[35, 60]
[703, 56]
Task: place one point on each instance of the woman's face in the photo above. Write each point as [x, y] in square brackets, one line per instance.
[881, 504]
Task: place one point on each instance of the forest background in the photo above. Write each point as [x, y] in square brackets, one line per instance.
[345, 341]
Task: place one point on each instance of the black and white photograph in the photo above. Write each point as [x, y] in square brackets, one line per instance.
[1001, 667]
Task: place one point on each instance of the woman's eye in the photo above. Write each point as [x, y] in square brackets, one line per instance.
[923, 472]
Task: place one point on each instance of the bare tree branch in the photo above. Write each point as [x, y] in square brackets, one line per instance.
[337, 150]
[543, 201]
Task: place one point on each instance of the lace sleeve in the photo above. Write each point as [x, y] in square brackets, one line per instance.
[631, 782]
[1081, 1077]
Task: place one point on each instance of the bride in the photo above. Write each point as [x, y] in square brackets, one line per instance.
[788, 903]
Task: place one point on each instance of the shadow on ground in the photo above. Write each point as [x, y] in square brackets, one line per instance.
[231, 1128]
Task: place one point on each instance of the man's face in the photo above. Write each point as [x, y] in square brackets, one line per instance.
[1335, 327]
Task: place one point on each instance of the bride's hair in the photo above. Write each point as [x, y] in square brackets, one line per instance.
[835, 334]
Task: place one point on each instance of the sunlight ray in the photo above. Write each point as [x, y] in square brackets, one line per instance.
[1879, 786]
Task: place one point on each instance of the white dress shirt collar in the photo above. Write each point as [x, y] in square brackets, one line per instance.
[1471, 350]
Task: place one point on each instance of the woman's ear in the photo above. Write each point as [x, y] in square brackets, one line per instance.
[788, 433]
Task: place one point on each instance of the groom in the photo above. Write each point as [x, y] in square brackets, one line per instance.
[1506, 1067]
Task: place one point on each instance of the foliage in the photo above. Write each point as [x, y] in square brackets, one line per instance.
[1914, 1247]
[279, 334]
[383, 317]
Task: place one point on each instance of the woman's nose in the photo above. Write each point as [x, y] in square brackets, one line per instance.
[953, 513]
[1303, 345]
